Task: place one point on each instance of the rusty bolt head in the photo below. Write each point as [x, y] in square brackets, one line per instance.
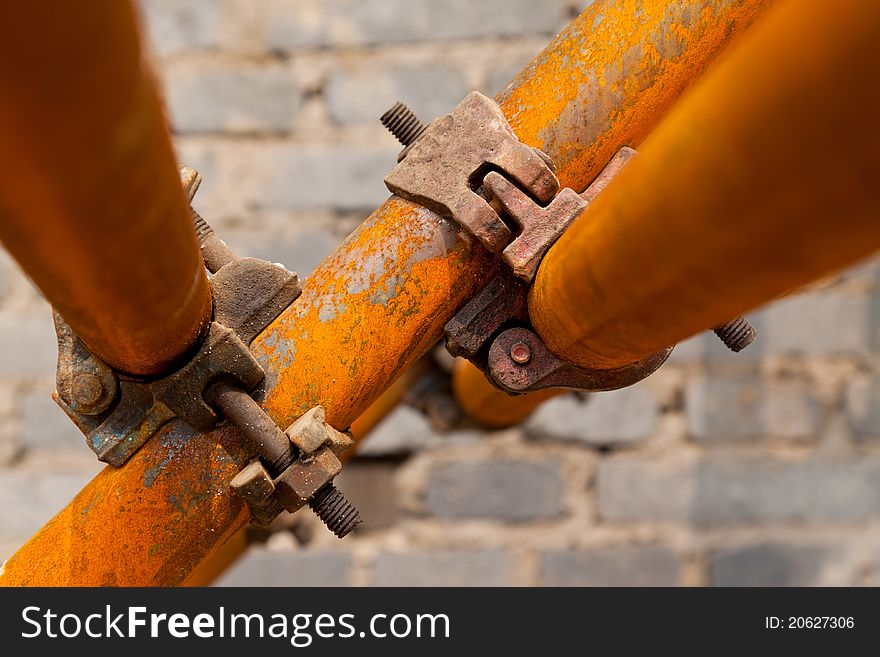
[87, 389]
[253, 484]
[520, 353]
[309, 431]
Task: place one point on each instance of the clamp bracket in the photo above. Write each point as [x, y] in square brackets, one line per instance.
[471, 167]
[118, 414]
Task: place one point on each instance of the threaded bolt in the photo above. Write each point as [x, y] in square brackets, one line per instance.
[737, 334]
[402, 122]
[215, 253]
[330, 505]
[203, 230]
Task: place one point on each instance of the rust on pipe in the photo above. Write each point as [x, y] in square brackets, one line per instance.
[762, 179]
[370, 309]
[90, 200]
[490, 406]
[387, 401]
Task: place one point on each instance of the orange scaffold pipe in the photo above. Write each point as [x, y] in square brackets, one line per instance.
[380, 300]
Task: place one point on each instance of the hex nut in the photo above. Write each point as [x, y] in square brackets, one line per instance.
[305, 477]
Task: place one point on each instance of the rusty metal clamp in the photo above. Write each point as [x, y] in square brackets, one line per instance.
[445, 166]
[470, 166]
[118, 414]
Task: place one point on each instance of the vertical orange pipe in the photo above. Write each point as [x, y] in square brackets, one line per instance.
[90, 198]
[763, 178]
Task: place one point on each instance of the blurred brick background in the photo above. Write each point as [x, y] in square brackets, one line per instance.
[718, 470]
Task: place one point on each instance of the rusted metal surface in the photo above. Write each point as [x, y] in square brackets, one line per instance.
[84, 383]
[606, 80]
[492, 330]
[406, 127]
[378, 302]
[244, 413]
[539, 225]
[91, 202]
[442, 170]
[387, 401]
[763, 179]
[540, 368]
[229, 552]
[502, 299]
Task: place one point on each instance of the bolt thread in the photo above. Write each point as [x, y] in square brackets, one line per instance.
[737, 334]
[402, 122]
[340, 515]
[203, 230]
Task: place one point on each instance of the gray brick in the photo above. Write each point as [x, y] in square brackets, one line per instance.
[29, 498]
[490, 568]
[726, 489]
[174, 26]
[733, 490]
[262, 567]
[45, 426]
[291, 24]
[30, 344]
[863, 405]
[773, 564]
[641, 489]
[510, 490]
[402, 432]
[361, 97]
[621, 417]
[613, 566]
[231, 98]
[340, 177]
[7, 273]
[501, 74]
[822, 322]
[299, 250]
[737, 408]
[706, 347]
[369, 485]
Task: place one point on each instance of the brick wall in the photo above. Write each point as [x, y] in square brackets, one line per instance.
[762, 468]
